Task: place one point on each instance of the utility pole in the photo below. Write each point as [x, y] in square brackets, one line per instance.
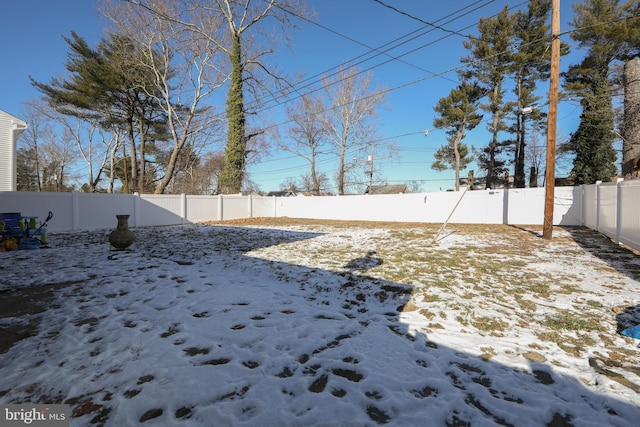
[550, 173]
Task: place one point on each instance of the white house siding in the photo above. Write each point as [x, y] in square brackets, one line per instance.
[10, 130]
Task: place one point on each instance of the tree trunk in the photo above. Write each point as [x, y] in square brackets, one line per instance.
[456, 152]
[314, 175]
[518, 169]
[134, 163]
[168, 177]
[519, 178]
[341, 167]
[493, 146]
[631, 130]
[141, 167]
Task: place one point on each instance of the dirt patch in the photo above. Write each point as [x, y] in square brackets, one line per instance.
[28, 303]
[388, 225]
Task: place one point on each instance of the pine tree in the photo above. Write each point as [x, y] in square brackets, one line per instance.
[457, 113]
[489, 64]
[530, 64]
[597, 23]
[592, 142]
[108, 85]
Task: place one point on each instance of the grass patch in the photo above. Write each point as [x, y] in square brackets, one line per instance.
[489, 324]
[571, 322]
[594, 304]
[486, 277]
[427, 314]
[525, 304]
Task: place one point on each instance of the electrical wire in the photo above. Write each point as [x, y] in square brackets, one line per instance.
[333, 71]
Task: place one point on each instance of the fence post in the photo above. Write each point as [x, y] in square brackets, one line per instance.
[250, 205]
[220, 210]
[136, 209]
[583, 195]
[598, 205]
[275, 207]
[618, 208]
[75, 209]
[183, 208]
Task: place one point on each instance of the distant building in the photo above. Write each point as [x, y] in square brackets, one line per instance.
[283, 193]
[10, 130]
[387, 189]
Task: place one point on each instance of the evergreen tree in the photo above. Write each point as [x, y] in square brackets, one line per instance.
[457, 113]
[592, 142]
[107, 85]
[489, 64]
[597, 23]
[530, 64]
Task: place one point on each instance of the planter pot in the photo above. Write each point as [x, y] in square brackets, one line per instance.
[121, 238]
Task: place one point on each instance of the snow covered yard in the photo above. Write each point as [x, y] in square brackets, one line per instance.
[302, 323]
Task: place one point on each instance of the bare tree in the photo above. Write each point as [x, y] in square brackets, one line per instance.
[52, 149]
[244, 33]
[307, 183]
[535, 155]
[290, 184]
[307, 133]
[38, 128]
[59, 150]
[414, 187]
[184, 65]
[113, 140]
[351, 118]
[83, 132]
[200, 176]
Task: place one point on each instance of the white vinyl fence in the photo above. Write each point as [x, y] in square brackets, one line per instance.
[611, 209]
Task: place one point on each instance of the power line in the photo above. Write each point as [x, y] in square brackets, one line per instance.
[441, 74]
[378, 50]
[431, 24]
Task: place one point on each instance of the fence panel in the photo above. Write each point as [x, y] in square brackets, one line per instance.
[568, 206]
[202, 208]
[609, 208]
[474, 207]
[39, 204]
[607, 215]
[590, 204]
[262, 206]
[157, 209]
[235, 207]
[96, 211]
[417, 207]
[629, 215]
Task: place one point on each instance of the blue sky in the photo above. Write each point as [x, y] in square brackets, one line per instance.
[32, 32]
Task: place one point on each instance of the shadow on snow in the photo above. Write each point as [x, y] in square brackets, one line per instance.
[344, 354]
